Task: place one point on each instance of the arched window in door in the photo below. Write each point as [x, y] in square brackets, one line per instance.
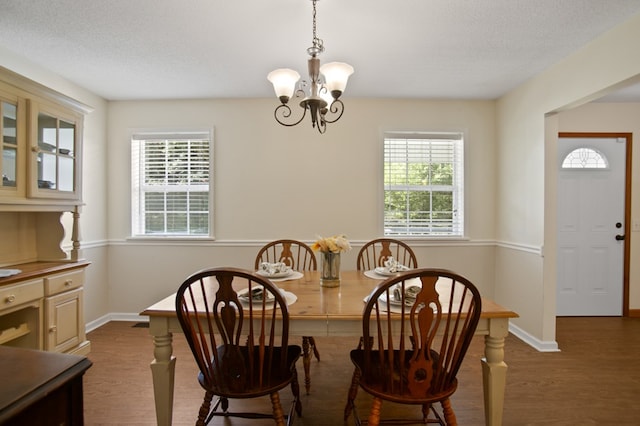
[585, 158]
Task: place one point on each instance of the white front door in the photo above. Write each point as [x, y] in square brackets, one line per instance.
[590, 227]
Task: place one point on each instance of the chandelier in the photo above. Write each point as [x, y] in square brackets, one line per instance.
[320, 96]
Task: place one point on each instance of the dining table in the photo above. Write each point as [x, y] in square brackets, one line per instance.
[329, 311]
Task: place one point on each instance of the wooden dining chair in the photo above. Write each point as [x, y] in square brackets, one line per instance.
[416, 330]
[300, 257]
[237, 326]
[375, 252]
[372, 255]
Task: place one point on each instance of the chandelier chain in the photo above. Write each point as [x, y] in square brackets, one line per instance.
[317, 43]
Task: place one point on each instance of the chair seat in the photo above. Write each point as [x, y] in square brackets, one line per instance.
[375, 380]
[244, 378]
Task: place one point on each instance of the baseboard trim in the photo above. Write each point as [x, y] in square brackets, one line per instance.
[114, 317]
[534, 342]
[634, 313]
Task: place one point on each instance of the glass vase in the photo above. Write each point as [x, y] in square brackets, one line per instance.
[330, 276]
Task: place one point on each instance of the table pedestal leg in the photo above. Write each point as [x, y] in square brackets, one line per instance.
[494, 372]
[163, 372]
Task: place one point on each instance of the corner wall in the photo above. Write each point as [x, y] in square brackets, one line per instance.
[525, 196]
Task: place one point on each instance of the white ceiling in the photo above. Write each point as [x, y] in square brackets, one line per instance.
[168, 49]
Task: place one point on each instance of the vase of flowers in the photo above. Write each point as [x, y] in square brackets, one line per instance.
[330, 249]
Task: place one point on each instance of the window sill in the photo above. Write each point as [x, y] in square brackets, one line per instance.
[165, 238]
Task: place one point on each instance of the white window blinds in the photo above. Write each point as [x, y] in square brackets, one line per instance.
[171, 181]
[423, 184]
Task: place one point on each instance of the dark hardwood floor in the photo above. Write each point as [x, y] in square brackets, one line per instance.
[593, 380]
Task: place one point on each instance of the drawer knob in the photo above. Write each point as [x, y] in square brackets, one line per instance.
[53, 329]
[10, 298]
[68, 283]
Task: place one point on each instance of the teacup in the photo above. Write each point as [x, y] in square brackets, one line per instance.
[391, 265]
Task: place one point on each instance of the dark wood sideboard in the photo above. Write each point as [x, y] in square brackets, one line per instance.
[41, 388]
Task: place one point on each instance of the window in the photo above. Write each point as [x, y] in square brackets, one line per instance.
[423, 184]
[171, 184]
[585, 158]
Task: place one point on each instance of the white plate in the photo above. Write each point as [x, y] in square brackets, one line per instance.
[275, 275]
[383, 271]
[393, 301]
[8, 272]
[244, 295]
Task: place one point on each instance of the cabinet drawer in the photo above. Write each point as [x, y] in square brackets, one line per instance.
[15, 295]
[55, 284]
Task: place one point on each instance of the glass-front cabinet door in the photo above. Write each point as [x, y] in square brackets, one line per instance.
[11, 146]
[56, 153]
[9, 143]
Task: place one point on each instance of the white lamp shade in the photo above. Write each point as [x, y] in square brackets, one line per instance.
[284, 81]
[336, 75]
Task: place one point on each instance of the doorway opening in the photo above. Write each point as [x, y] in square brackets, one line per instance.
[594, 208]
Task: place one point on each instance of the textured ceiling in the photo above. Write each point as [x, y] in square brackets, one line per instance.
[168, 49]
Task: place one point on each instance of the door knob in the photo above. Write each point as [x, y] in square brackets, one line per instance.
[620, 237]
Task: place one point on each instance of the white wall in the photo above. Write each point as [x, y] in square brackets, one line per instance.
[274, 182]
[525, 205]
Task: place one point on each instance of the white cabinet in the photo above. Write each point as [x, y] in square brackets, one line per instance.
[41, 145]
[21, 314]
[55, 162]
[45, 311]
[41, 167]
[63, 314]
